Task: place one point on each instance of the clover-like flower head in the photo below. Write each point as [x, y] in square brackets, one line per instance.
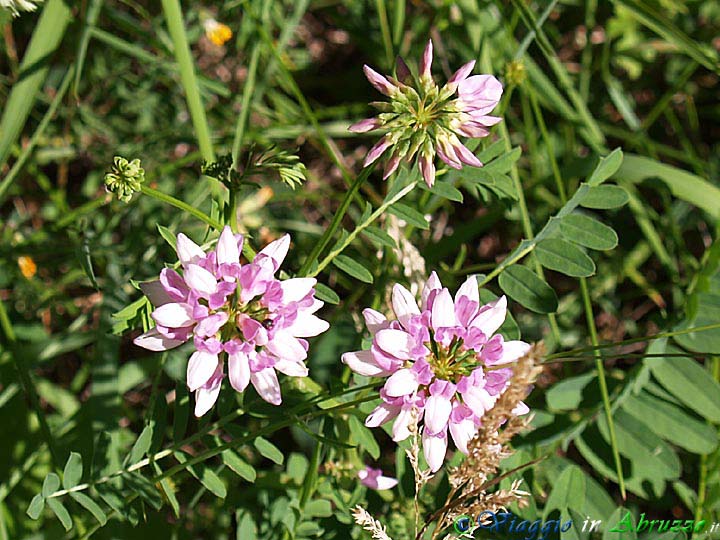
[444, 361]
[233, 311]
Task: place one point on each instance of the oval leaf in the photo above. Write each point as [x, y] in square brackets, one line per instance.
[524, 286]
[50, 484]
[73, 470]
[562, 256]
[409, 215]
[61, 512]
[238, 465]
[604, 197]
[588, 232]
[606, 168]
[37, 505]
[269, 450]
[326, 294]
[353, 268]
[90, 505]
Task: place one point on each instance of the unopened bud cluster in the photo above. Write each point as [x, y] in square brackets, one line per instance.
[125, 178]
[423, 119]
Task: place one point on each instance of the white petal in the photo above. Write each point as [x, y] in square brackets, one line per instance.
[200, 280]
[188, 251]
[239, 371]
[437, 413]
[292, 369]
[395, 342]
[267, 385]
[284, 345]
[307, 325]
[382, 414]
[432, 284]
[153, 340]
[155, 292]
[491, 319]
[434, 449]
[296, 289]
[206, 396]
[401, 383]
[461, 433]
[227, 248]
[385, 482]
[374, 320]
[443, 311]
[400, 429]
[404, 304]
[173, 315]
[512, 350]
[277, 250]
[363, 363]
[469, 289]
[200, 368]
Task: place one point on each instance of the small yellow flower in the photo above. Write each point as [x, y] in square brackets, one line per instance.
[27, 266]
[217, 32]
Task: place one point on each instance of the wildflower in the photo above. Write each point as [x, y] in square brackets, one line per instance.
[27, 266]
[217, 32]
[241, 313]
[125, 178]
[374, 479]
[16, 6]
[423, 119]
[444, 361]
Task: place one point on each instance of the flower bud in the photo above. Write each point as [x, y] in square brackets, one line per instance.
[124, 178]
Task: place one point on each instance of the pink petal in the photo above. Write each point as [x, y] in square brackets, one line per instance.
[363, 126]
[437, 413]
[401, 383]
[426, 61]
[153, 340]
[434, 448]
[188, 251]
[209, 326]
[404, 304]
[461, 74]
[173, 315]
[398, 343]
[267, 385]
[377, 150]
[239, 371]
[427, 168]
[276, 250]
[431, 285]
[296, 289]
[400, 429]
[200, 368]
[379, 82]
[284, 345]
[374, 320]
[363, 363]
[466, 156]
[512, 350]
[292, 369]
[155, 292]
[469, 290]
[200, 280]
[206, 396]
[382, 414]
[491, 318]
[391, 166]
[227, 248]
[443, 311]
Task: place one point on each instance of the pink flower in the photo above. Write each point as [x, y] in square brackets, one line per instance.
[237, 313]
[426, 120]
[444, 362]
[374, 479]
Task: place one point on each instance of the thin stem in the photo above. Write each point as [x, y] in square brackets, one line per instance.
[603, 383]
[335, 223]
[176, 27]
[385, 31]
[245, 104]
[177, 203]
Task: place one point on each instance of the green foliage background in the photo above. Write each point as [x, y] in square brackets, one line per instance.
[597, 255]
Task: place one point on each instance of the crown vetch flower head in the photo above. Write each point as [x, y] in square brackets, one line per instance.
[444, 359]
[233, 311]
[423, 119]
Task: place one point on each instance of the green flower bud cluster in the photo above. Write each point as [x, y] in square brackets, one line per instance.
[125, 178]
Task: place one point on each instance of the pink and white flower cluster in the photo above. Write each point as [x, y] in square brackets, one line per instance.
[425, 119]
[444, 361]
[241, 312]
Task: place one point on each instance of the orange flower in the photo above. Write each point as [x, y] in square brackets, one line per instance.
[217, 32]
[27, 266]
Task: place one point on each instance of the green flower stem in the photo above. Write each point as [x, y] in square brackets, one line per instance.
[27, 384]
[603, 383]
[335, 223]
[369, 221]
[176, 27]
[247, 96]
[385, 30]
[177, 203]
